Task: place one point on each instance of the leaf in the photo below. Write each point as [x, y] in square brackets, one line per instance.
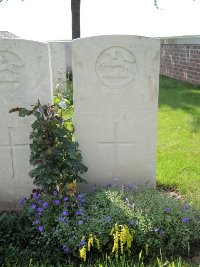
[14, 110]
[25, 112]
[56, 100]
[22, 111]
[69, 126]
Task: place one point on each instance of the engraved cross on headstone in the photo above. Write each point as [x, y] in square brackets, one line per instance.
[12, 147]
[116, 143]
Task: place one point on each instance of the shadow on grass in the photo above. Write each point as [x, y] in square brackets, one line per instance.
[181, 95]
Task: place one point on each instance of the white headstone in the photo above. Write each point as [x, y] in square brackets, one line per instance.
[25, 77]
[116, 84]
[58, 64]
[68, 53]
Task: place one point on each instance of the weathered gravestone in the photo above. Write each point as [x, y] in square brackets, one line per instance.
[58, 64]
[116, 82]
[25, 77]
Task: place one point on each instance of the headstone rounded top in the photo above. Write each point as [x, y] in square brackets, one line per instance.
[116, 67]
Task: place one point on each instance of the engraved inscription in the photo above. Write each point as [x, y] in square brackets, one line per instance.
[12, 147]
[116, 67]
[10, 70]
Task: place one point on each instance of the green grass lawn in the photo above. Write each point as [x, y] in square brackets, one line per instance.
[178, 151]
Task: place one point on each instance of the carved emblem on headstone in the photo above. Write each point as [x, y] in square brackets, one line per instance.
[116, 67]
[10, 70]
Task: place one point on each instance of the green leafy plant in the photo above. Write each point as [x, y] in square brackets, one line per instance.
[16, 238]
[114, 220]
[157, 220]
[54, 152]
[56, 217]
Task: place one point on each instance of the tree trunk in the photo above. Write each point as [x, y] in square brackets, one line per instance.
[75, 9]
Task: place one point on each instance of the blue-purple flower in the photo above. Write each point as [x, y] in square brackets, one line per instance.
[55, 193]
[65, 213]
[65, 249]
[56, 202]
[22, 201]
[36, 222]
[186, 207]
[33, 206]
[132, 222]
[80, 222]
[81, 200]
[79, 197]
[79, 212]
[62, 219]
[65, 198]
[40, 210]
[36, 196]
[185, 220]
[108, 219]
[82, 243]
[40, 228]
[45, 204]
[167, 209]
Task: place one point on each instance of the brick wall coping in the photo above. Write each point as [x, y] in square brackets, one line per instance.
[193, 39]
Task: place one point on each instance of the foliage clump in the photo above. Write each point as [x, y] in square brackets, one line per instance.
[54, 154]
[117, 221]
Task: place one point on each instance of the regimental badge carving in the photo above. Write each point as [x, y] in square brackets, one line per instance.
[10, 70]
[116, 67]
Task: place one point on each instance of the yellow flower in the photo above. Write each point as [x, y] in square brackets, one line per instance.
[82, 253]
[121, 236]
[90, 242]
[112, 230]
[116, 241]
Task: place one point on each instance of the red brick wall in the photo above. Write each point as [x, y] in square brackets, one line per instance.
[181, 62]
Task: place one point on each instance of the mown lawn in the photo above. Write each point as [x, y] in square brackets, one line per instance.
[178, 151]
